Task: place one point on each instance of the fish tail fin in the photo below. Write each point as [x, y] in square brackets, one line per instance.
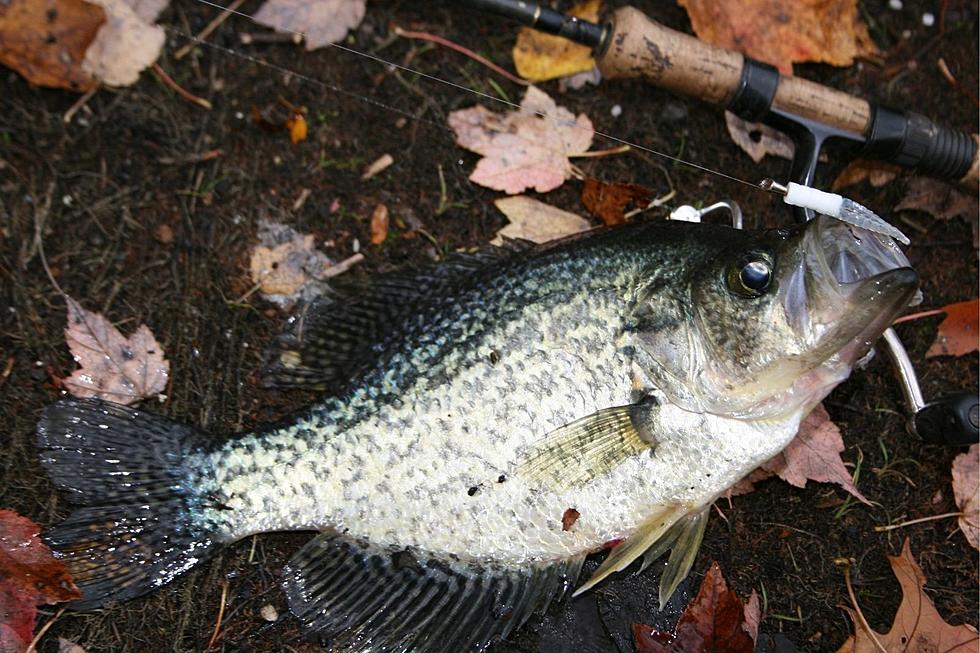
[139, 522]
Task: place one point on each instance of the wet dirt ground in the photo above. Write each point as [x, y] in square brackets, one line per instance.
[132, 225]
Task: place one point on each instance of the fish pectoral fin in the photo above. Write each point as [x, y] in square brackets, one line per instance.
[675, 527]
[589, 447]
[365, 597]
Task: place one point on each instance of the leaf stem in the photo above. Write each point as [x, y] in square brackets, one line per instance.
[891, 527]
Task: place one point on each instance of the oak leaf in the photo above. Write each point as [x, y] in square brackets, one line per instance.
[757, 139]
[608, 201]
[958, 334]
[539, 56]
[917, 628]
[938, 199]
[782, 33]
[321, 22]
[29, 576]
[966, 491]
[124, 46]
[536, 221]
[528, 148]
[716, 621]
[113, 367]
[45, 40]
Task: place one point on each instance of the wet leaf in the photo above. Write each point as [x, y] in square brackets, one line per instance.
[45, 40]
[321, 22]
[124, 46]
[757, 140]
[113, 367]
[813, 455]
[966, 490]
[609, 202]
[714, 622]
[958, 334]
[286, 266]
[938, 199]
[148, 10]
[539, 56]
[523, 149]
[536, 221]
[877, 173]
[783, 32]
[296, 125]
[568, 518]
[379, 224]
[29, 576]
[917, 628]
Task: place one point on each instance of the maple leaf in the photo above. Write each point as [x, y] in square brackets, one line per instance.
[321, 22]
[29, 576]
[714, 622]
[757, 139]
[966, 491]
[45, 40]
[958, 333]
[125, 45]
[539, 56]
[782, 32]
[286, 266]
[536, 221]
[917, 628]
[523, 149]
[608, 202]
[113, 367]
[814, 455]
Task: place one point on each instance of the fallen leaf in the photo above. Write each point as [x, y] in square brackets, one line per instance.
[917, 628]
[966, 491]
[29, 576]
[782, 33]
[321, 22]
[45, 40]
[958, 334]
[296, 125]
[536, 221]
[878, 173]
[714, 622]
[124, 46]
[938, 199]
[286, 266]
[523, 149]
[608, 202]
[113, 367]
[813, 455]
[539, 56]
[148, 10]
[380, 164]
[68, 646]
[753, 616]
[757, 140]
[379, 224]
[568, 518]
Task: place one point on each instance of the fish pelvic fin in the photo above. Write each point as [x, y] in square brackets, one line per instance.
[360, 597]
[135, 529]
[675, 527]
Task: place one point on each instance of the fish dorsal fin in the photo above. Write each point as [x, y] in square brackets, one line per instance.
[591, 446]
[330, 338]
[361, 597]
[676, 527]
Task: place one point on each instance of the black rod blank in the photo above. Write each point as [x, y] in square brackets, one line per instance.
[547, 20]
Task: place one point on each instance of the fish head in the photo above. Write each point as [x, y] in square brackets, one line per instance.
[777, 319]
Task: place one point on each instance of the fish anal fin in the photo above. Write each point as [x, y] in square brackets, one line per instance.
[362, 597]
[589, 447]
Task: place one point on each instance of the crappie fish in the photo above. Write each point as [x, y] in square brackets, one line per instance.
[631, 375]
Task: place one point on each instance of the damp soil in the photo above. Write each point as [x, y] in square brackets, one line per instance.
[135, 225]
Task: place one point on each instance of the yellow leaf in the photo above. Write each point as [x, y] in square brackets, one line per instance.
[297, 128]
[540, 57]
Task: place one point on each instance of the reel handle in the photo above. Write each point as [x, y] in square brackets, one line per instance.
[951, 420]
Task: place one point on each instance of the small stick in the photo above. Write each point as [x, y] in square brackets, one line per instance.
[916, 316]
[33, 645]
[248, 38]
[891, 527]
[343, 266]
[221, 614]
[850, 592]
[196, 157]
[622, 149]
[425, 36]
[206, 32]
[79, 103]
[177, 88]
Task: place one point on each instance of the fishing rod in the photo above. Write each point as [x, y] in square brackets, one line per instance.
[632, 45]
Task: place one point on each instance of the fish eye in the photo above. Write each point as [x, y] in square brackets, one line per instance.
[751, 276]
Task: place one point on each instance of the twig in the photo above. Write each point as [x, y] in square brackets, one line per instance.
[32, 646]
[194, 157]
[206, 32]
[221, 614]
[343, 266]
[178, 89]
[916, 316]
[891, 527]
[857, 609]
[622, 149]
[425, 36]
[248, 38]
[79, 103]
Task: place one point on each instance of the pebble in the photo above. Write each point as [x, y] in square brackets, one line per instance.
[269, 613]
[895, 4]
[616, 111]
[928, 19]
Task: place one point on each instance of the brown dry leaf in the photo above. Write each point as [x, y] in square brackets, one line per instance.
[757, 139]
[45, 40]
[286, 266]
[540, 57]
[124, 46]
[523, 149]
[321, 22]
[878, 173]
[958, 334]
[813, 455]
[296, 125]
[938, 199]
[966, 490]
[113, 367]
[917, 628]
[608, 202]
[536, 221]
[568, 518]
[379, 224]
[782, 33]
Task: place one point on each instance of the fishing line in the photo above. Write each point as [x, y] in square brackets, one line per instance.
[434, 78]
